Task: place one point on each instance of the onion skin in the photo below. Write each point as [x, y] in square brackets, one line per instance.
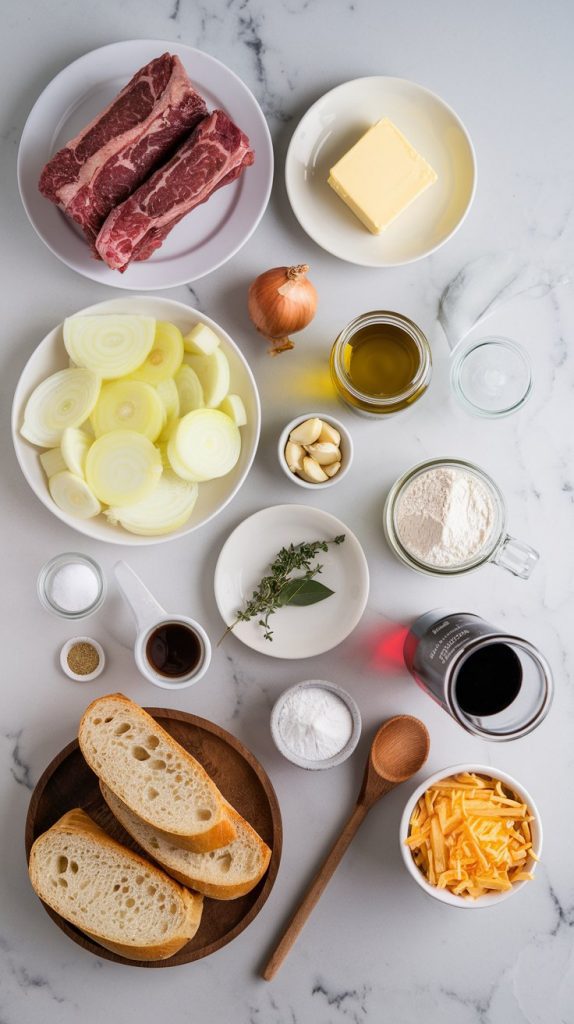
[281, 302]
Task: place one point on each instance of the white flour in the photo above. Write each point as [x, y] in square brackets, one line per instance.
[445, 516]
[315, 723]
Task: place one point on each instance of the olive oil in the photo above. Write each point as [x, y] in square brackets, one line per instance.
[381, 363]
[382, 360]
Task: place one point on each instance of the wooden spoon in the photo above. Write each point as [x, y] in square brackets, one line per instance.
[398, 751]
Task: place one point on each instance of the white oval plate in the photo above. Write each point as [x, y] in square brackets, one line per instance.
[297, 632]
[50, 355]
[213, 232]
[333, 124]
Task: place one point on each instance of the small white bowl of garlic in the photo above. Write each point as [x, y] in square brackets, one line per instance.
[315, 451]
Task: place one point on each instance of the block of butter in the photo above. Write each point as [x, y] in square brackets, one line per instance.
[380, 176]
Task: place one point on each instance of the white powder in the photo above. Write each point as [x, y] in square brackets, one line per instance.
[74, 587]
[315, 723]
[445, 516]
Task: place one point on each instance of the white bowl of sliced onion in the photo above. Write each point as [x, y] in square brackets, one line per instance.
[82, 476]
[471, 836]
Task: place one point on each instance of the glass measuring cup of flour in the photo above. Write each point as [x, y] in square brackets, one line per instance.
[497, 546]
[151, 621]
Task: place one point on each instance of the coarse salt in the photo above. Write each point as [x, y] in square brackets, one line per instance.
[74, 587]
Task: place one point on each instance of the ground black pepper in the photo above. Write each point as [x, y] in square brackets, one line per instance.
[83, 659]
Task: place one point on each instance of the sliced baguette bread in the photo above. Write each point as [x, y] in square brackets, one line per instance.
[223, 874]
[115, 896]
[153, 775]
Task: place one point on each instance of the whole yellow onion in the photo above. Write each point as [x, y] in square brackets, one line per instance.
[281, 302]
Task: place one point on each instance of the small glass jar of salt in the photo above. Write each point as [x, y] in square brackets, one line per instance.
[316, 724]
[71, 585]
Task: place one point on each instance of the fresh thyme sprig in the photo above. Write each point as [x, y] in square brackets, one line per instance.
[280, 588]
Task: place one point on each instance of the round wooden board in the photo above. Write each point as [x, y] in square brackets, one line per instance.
[68, 782]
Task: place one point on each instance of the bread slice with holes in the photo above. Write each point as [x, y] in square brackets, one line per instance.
[223, 874]
[111, 893]
[153, 775]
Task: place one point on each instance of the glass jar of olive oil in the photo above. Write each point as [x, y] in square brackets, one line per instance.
[381, 363]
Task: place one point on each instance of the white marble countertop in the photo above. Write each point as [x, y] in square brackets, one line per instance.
[376, 947]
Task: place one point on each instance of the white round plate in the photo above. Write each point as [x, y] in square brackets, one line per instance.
[213, 232]
[333, 124]
[50, 355]
[297, 632]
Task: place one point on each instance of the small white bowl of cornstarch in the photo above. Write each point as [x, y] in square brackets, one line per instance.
[316, 724]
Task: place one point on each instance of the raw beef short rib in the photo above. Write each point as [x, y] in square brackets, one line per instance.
[109, 158]
[213, 156]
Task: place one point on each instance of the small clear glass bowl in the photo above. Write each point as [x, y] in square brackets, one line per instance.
[492, 377]
[46, 578]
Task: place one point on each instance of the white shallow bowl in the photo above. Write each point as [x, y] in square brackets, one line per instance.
[328, 762]
[50, 356]
[64, 659]
[334, 123]
[444, 895]
[211, 233]
[346, 450]
[297, 632]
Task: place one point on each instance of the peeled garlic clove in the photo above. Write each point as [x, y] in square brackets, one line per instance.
[325, 453]
[306, 432]
[332, 469]
[329, 434]
[312, 472]
[294, 454]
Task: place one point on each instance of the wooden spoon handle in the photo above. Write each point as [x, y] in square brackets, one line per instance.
[314, 892]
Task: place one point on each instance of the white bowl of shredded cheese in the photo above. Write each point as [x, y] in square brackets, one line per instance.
[500, 838]
[316, 724]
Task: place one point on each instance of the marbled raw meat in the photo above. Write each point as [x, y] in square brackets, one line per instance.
[213, 156]
[109, 158]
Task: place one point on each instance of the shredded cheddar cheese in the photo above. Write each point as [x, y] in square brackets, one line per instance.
[471, 835]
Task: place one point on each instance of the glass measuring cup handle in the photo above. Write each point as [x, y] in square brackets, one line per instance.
[516, 556]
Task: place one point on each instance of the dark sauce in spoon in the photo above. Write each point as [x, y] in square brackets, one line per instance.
[174, 649]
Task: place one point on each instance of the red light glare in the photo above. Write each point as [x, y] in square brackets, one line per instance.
[388, 648]
[381, 649]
